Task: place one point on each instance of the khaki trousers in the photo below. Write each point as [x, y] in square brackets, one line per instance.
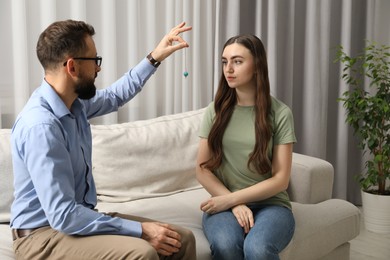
[47, 243]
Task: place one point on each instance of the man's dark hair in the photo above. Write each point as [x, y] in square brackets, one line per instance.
[60, 40]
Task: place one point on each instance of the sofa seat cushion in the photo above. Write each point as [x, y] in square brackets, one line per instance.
[6, 252]
[320, 228]
[179, 209]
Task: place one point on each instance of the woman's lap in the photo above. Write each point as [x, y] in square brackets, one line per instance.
[273, 230]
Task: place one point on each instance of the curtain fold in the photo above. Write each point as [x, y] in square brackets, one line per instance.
[19, 36]
[300, 37]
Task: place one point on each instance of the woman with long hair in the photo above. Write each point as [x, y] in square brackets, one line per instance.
[244, 159]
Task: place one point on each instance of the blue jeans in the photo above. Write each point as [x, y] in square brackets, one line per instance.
[273, 230]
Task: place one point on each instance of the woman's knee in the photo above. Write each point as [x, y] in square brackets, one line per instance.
[260, 251]
[230, 247]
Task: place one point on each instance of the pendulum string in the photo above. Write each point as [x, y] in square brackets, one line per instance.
[185, 63]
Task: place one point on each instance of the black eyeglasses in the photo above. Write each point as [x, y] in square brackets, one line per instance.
[98, 60]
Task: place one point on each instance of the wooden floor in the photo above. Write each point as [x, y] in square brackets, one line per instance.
[369, 245]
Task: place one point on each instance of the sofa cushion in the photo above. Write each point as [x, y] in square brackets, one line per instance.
[327, 225]
[6, 176]
[320, 228]
[181, 209]
[6, 252]
[156, 159]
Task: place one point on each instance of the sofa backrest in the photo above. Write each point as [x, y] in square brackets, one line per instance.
[146, 158]
[156, 157]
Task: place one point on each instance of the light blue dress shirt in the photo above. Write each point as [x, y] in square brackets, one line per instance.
[51, 150]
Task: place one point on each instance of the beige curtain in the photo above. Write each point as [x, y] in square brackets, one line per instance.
[126, 31]
[300, 37]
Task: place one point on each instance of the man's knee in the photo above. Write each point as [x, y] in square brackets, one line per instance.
[187, 236]
[122, 247]
[148, 253]
[144, 252]
[188, 245]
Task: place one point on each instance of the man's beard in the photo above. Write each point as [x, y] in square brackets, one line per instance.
[85, 88]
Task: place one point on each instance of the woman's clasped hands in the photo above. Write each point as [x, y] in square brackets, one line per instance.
[242, 212]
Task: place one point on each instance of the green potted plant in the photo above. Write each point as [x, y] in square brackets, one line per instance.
[368, 112]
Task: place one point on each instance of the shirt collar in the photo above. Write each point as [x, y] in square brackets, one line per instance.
[55, 102]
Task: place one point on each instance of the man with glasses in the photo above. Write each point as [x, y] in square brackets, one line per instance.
[53, 214]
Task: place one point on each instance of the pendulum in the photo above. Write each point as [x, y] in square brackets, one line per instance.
[185, 73]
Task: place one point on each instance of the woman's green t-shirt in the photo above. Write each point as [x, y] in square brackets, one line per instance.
[238, 142]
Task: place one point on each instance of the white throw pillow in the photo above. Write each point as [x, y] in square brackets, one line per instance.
[146, 158]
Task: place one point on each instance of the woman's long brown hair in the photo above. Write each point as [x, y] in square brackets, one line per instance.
[225, 101]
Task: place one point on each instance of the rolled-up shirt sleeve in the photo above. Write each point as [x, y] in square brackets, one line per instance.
[120, 92]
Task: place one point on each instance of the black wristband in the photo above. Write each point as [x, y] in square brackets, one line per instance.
[153, 61]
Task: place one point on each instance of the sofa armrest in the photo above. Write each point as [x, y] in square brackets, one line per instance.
[311, 179]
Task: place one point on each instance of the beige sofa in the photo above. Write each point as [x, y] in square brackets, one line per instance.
[147, 168]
